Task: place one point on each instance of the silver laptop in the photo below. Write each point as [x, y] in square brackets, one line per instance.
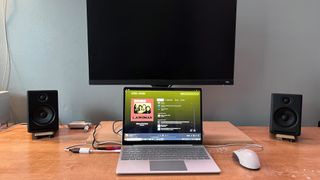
[162, 132]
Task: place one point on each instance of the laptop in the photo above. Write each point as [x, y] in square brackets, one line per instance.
[162, 132]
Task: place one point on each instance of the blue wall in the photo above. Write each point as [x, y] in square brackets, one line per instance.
[277, 50]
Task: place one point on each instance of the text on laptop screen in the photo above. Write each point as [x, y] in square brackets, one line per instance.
[162, 115]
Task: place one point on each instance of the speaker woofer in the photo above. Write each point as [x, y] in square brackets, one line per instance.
[285, 117]
[43, 115]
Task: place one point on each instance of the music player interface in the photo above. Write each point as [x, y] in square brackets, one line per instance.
[155, 115]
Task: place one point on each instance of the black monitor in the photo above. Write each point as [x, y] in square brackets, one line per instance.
[161, 42]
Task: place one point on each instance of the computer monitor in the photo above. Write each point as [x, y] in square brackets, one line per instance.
[161, 42]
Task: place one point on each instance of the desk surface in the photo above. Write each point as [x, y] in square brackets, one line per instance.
[24, 158]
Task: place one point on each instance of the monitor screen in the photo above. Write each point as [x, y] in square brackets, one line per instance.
[161, 41]
[162, 115]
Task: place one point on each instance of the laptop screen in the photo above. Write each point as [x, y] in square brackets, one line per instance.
[162, 115]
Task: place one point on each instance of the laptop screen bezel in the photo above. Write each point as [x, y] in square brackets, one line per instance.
[160, 142]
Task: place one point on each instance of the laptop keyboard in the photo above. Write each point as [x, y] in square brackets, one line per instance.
[163, 153]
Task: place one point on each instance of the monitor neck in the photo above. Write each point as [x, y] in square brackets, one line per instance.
[161, 86]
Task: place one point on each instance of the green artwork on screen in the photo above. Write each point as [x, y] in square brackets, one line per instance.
[151, 106]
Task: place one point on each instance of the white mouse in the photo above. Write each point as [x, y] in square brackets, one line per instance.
[247, 158]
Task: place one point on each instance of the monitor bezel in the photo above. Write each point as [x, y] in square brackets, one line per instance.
[162, 82]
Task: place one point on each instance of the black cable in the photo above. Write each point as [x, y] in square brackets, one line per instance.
[113, 127]
[74, 150]
[95, 132]
[94, 136]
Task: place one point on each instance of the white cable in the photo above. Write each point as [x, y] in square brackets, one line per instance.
[104, 151]
[76, 145]
[108, 142]
[84, 150]
[4, 54]
[98, 143]
[88, 151]
[7, 68]
[7, 46]
[236, 144]
[2, 22]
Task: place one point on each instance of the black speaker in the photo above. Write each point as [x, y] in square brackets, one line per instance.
[43, 111]
[286, 114]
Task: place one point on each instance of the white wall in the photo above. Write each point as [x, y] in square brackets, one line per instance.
[277, 50]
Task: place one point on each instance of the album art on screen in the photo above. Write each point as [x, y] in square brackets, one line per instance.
[142, 110]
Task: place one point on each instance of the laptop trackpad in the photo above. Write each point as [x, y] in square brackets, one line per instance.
[167, 166]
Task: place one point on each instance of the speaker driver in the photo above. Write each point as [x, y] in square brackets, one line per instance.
[286, 100]
[285, 117]
[42, 97]
[43, 115]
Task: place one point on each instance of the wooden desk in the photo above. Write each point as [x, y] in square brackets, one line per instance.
[24, 158]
